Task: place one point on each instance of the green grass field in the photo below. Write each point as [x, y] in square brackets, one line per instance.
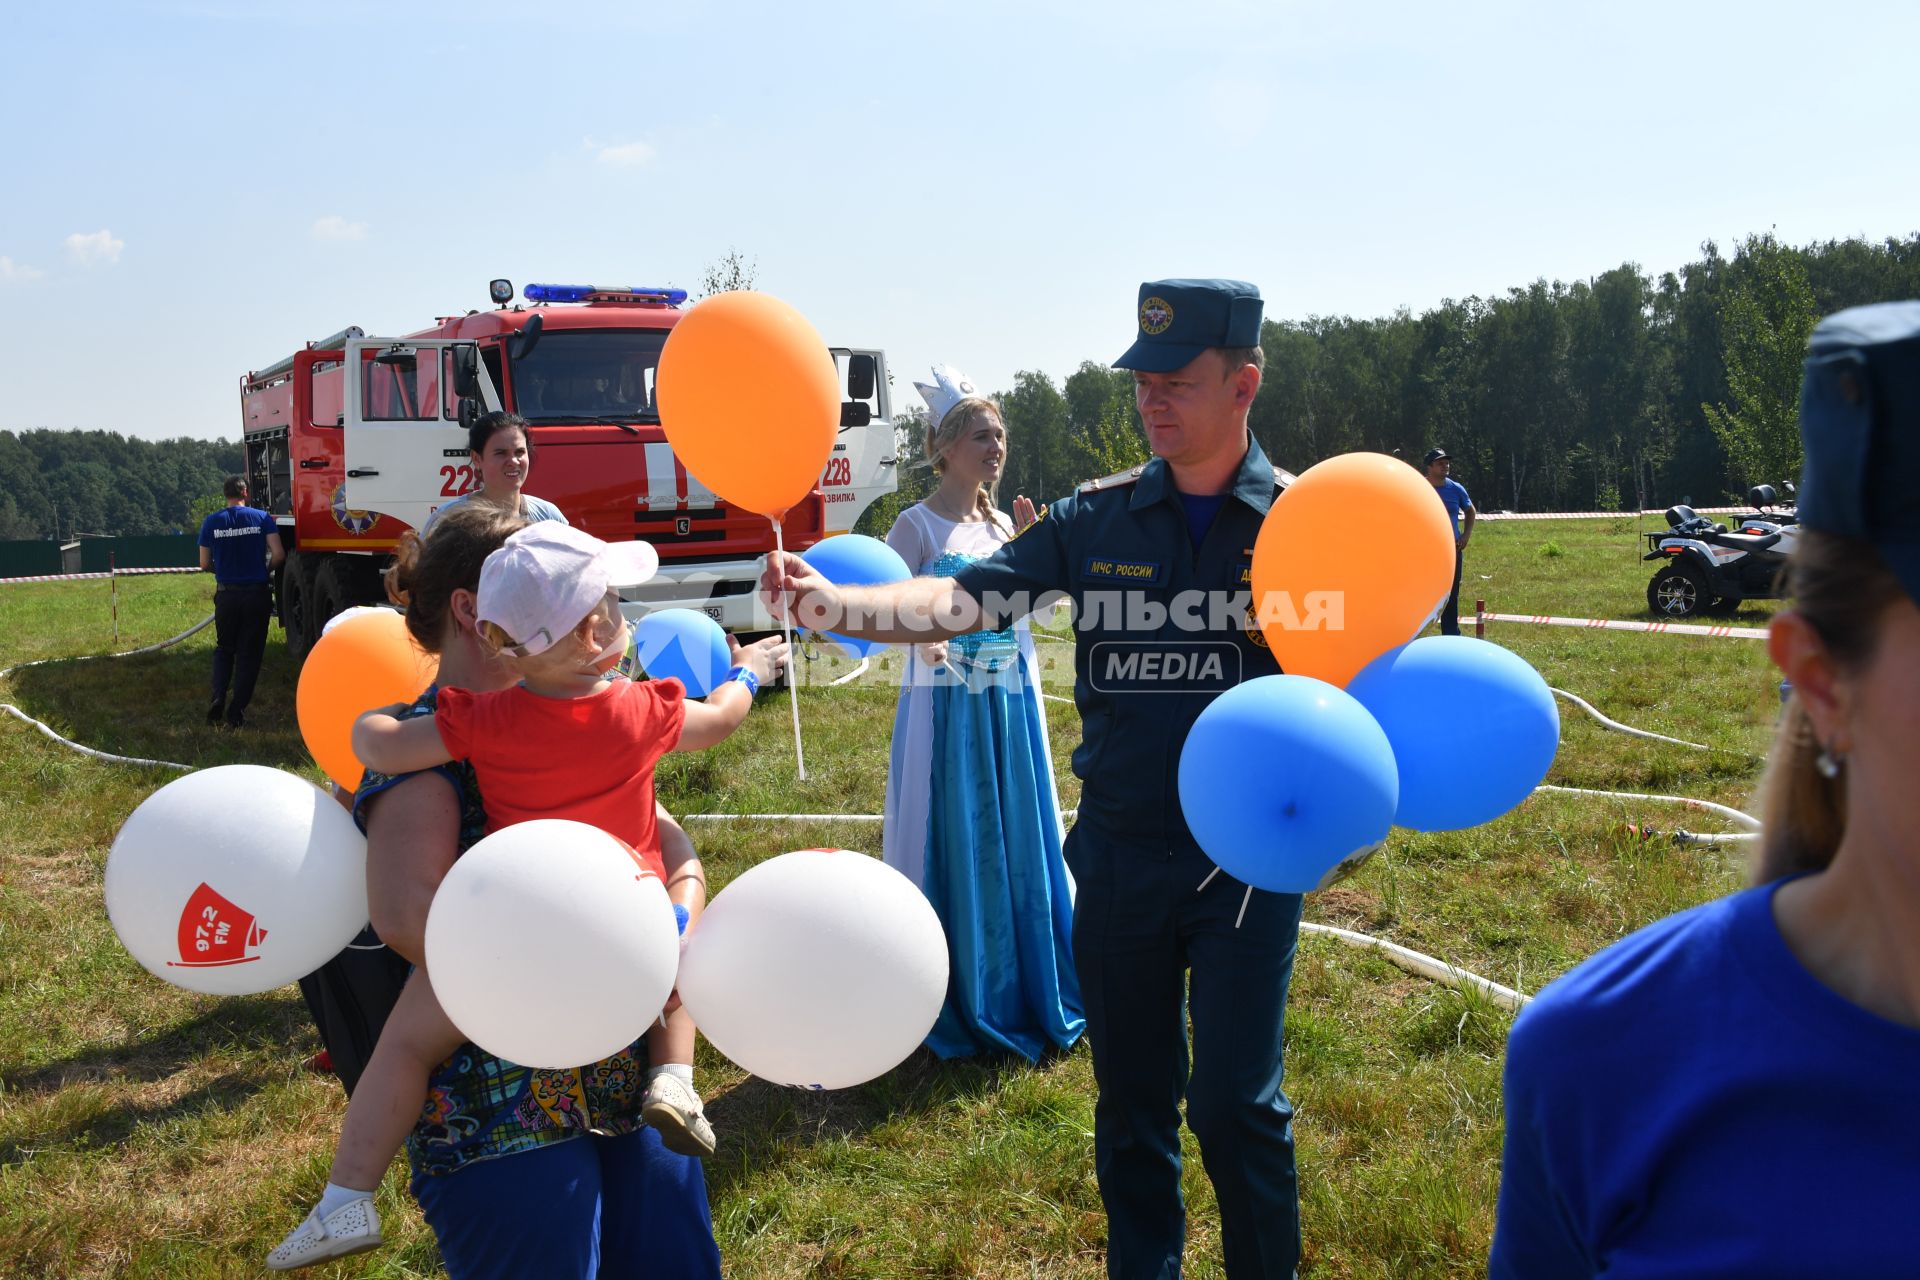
[149, 1132]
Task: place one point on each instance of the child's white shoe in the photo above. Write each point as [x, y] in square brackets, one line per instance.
[352, 1228]
[672, 1107]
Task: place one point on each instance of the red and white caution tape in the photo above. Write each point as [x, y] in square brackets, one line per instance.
[1614, 624]
[84, 577]
[1599, 515]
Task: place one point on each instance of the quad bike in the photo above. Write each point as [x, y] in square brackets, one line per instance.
[1707, 568]
[1769, 514]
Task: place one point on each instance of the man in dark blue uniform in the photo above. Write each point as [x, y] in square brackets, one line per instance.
[241, 547]
[1158, 561]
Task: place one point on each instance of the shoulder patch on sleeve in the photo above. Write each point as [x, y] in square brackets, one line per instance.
[1039, 514]
[1118, 479]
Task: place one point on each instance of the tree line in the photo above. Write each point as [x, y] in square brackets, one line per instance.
[61, 484]
[1623, 392]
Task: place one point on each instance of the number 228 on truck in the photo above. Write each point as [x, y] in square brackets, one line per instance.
[352, 440]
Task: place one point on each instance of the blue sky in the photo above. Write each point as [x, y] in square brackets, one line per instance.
[191, 190]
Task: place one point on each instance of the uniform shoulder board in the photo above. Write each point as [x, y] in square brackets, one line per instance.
[1283, 477]
[1118, 479]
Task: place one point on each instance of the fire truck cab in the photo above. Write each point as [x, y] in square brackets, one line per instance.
[355, 439]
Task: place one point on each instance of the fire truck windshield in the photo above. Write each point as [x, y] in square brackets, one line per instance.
[589, 375]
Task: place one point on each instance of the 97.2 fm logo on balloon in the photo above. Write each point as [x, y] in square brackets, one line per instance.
[213, 931]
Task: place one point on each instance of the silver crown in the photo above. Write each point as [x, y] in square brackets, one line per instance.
[950, 387]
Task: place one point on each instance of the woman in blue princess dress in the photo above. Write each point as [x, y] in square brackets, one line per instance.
[972, 814]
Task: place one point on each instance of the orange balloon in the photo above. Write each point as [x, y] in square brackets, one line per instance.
[749, 398]
[1352, 560]
[363, 662]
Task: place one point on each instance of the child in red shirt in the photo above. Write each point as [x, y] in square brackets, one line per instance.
[569, 741]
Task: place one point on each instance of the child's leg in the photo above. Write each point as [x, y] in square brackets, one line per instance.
[416, 1036]
[672, 1045]
[672, 1105]
[385, 1106]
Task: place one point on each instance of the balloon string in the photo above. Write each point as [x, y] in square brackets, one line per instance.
[786, 631]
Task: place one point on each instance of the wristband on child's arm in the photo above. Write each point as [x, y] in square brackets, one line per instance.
[743, 676]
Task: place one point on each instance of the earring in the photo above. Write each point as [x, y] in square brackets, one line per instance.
[1828, 763]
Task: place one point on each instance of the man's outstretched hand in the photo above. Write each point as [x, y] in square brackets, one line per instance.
[793, 589]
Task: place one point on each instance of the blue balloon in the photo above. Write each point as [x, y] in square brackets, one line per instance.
[1287, 783]
[1474, 728]
[684, 645]
[855, 560]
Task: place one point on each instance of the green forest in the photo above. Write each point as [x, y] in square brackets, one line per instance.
[1623, 392]
[61, 484]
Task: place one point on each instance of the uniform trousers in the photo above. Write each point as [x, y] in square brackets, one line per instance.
[1141, 925]
[241, 614]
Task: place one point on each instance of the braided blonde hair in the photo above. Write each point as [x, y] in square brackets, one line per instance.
[943, 435]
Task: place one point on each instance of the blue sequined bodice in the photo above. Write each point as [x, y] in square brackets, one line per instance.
[991, 650]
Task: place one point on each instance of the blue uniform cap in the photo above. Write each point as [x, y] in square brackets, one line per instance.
[1860, 430]
[1179, 319]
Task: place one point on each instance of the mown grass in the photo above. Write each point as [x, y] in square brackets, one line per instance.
[146, 1131]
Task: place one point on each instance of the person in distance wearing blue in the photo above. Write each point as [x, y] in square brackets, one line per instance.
[240, 546]
[1732, 1091]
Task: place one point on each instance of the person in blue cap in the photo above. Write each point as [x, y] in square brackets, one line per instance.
[1158, 562]
[1453, 495]
[1731, 1091]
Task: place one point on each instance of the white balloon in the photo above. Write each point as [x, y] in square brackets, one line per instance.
[551, 944]
[822, 969]
[237, 879]
[354, 611]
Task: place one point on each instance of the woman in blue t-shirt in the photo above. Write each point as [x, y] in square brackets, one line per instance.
[1732, 1091]
[501, 455]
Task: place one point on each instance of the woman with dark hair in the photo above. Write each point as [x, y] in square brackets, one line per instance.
[501, 455]
[519, 1171]
[1731, 1091]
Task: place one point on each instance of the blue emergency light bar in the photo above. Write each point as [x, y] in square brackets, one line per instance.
[587, 292]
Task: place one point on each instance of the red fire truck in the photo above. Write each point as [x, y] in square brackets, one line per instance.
[354, 439]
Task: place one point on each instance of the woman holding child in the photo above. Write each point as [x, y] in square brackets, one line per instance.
[590, 1189]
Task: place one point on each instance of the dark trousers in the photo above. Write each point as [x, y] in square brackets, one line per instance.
[1140, 924]
[1450, 616]
[350, 997]
[240, 618]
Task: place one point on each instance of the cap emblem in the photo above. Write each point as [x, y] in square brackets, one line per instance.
[1156, 316]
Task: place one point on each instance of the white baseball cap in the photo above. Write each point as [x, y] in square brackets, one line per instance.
[548, 576]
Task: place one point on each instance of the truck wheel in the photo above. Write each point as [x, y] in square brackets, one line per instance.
[296, 604]
[1726, 606]
[331, 594]
[1678, 591]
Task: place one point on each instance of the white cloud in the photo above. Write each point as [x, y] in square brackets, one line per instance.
[92, 249]
[11, 270]
[621, 155]
[335, 227]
